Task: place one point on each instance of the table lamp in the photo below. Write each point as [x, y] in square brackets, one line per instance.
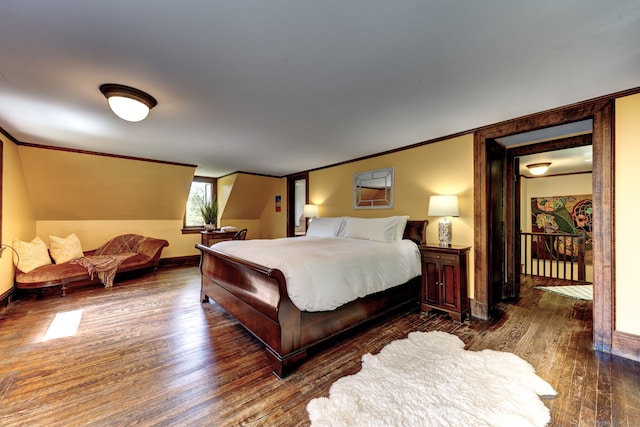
[310, 211]
[444, 206]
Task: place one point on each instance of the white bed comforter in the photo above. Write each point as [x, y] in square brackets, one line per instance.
[324, 273]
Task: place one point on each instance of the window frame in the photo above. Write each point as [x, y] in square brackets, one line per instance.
[214, 193]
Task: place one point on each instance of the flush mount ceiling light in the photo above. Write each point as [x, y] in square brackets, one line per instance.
[128, 103]
[538, 168]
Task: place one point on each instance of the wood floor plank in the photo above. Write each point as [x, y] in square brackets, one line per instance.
[588, 408]
[148, 353]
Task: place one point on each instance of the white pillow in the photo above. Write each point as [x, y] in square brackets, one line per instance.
[386, 230]
[325, 227]
[402, 224]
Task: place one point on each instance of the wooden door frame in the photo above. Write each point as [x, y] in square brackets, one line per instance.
[601, 112]
[496, 203]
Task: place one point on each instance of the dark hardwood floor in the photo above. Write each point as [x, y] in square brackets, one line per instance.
[147, 352]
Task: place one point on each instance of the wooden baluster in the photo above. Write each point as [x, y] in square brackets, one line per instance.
[581, 264]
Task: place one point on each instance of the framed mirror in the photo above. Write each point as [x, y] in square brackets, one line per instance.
[373, 189]
[297, 197]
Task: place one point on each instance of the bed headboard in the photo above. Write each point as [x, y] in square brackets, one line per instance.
[415, 231]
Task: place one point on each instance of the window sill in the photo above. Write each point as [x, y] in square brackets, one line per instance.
[192, 230]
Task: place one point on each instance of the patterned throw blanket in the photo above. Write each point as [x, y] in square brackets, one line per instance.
[107, 258]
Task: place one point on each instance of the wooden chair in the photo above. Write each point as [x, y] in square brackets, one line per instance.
[240, 235]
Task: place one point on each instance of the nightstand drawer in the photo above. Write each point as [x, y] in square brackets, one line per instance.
[440, 257]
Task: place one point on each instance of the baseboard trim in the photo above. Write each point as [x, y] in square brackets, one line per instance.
[180, 261]
[479, 310]
[625, 345]
[6, 298]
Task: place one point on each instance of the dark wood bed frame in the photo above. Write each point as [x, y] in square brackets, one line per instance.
[257, 297]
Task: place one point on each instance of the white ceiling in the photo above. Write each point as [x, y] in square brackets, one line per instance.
[282, 86]
[565, 161]
[570, 160]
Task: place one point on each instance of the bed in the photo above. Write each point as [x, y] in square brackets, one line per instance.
[258, 297]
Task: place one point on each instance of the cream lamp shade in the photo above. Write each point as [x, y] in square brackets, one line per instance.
[444, 206]
[310, 211]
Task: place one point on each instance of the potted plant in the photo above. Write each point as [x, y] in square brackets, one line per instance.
[209, 212]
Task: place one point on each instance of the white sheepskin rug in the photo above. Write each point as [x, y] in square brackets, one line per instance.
[428, 379]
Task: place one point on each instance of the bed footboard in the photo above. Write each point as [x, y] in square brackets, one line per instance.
[256, 296]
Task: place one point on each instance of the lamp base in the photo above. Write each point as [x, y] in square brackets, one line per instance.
[444, 232]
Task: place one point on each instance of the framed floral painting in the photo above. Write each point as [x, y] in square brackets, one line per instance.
[562, 215]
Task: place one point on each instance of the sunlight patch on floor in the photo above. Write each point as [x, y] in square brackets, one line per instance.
[64, 324]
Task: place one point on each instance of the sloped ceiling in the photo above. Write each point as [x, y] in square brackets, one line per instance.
[246, 196]
[277, 87]
[75, 186]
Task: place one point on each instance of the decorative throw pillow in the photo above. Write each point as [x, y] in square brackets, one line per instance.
[65, 249]
[31, 255]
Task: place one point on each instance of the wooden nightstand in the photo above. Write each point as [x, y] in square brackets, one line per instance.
[444, 280]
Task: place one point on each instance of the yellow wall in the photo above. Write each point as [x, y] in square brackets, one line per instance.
[49, 192]
[18, 218]
[98, 197]
[66, 185]
[94, 233]
[248, 201]
[444, 167]
[225, 186]
[52, 192]
[627, 206]
[274, 224]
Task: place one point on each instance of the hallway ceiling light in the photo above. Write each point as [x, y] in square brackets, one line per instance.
[538, 168]
[128, 103]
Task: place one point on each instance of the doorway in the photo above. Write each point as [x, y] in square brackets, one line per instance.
[569, 160]
[600, 112]
[297, 196]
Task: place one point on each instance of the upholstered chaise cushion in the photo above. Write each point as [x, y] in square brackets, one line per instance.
[52, 274]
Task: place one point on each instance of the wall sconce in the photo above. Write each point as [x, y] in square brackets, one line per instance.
[538, 168]
[310, 211]
[444, 206]
[128, 103]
